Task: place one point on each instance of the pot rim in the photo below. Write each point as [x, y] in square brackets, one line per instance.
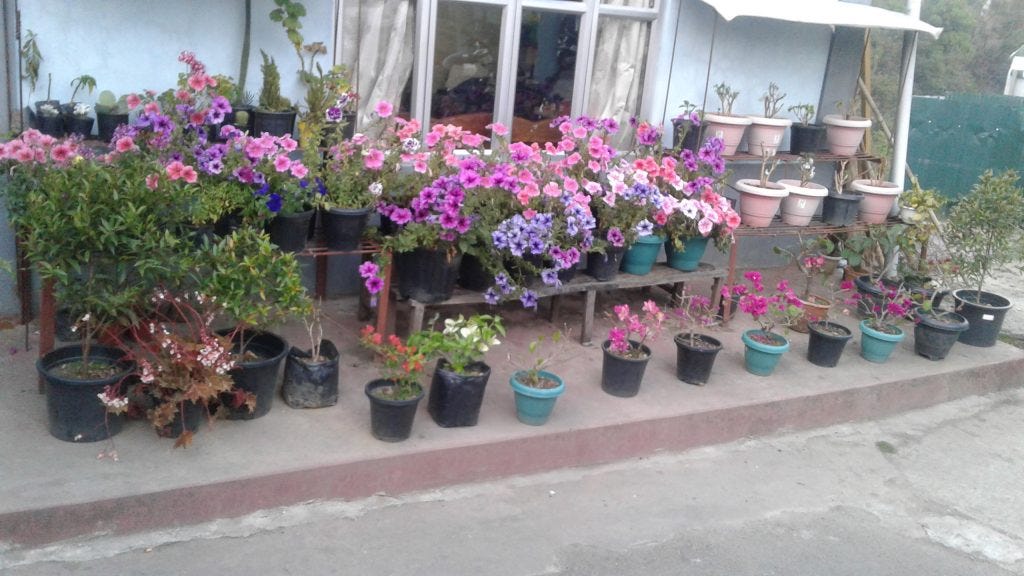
[380, 383]
[813, 189]
[753, 186]
[730, 119]
[840, 121]
[879, 334]
[776, 348]
[682, 339]
[773, 122]
[521, 388]
[1007, 306]
[816, 323]
[886, 189]
[957, 322]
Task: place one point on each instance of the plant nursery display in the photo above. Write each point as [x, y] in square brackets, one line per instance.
[880, 330]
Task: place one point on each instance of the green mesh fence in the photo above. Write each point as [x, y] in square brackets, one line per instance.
[955, 139]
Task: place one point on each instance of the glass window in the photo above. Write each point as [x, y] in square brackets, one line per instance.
[545, 73]
[378, 47]
[467, 44]
[618, 74]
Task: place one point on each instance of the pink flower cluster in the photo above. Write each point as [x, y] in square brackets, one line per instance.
[780, 307]
[33, 147]
[632, 330]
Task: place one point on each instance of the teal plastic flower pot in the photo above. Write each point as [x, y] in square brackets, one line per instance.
[640, 257]
[761, 358]
[688, 259]
[534, 405]
[875, 345]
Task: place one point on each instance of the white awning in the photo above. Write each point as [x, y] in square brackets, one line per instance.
[828, 12]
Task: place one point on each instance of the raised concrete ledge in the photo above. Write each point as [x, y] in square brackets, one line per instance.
[242, 467]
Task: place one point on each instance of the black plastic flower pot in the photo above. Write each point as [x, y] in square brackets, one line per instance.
[273, 123]
[621, 376]
[227, 224]
[455, 399]
[257, 375]
[472, 274]
[188, 418]
[695, 360]
[308, 383]
[691, 140]
[984, 311]
[805, 138]
[605, 267]
[50, 125]
[106, 124]
[427, 276]
[74, 411]
[935, 334]
[826, 343]
[290, 231]
[343, 228]
[840, 209]
[242, 117]
[78, 125]
[390, 420]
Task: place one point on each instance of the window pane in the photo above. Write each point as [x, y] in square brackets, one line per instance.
[378, 43]
[465, 64]
[545, 74]
[630, 3]
[618, 75]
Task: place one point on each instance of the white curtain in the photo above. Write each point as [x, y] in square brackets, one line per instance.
[618, 73]
[378, 44]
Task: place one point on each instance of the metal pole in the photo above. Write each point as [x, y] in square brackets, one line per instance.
[902, 136]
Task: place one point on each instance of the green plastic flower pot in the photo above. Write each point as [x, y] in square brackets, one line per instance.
[534, 405]
[688, 259]
[875, 345]
[759, 358]
[640, 257]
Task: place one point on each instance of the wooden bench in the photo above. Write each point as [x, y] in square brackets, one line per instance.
[661, 275]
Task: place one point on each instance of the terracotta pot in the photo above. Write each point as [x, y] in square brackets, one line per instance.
[879, 199]
[727, 127]
[759, 205]
[815, 309]
[800, 206]
[844, 134]
[765, 134]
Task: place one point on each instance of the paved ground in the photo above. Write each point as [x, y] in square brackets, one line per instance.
[933, 492]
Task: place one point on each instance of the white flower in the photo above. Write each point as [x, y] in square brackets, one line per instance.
[376, 188]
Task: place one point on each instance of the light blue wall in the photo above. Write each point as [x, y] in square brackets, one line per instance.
[131, 45]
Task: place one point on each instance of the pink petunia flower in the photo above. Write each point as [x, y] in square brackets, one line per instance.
[124, 144]
[282, 163]
[374, 159]
[384, 109]
[133, 101]
[299, 170]
[152, 181]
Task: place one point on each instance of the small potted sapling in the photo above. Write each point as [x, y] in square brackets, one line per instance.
[769, 309]
[840, 207]
[879, 195]
[766, 132]
[804, 196]
[695, 352]
[724, 124]
[826, 340]
[275, 114]
[687, 127]
[77, 119]
[880, 330]
[311, 376]
[844, 131]
[804, 136]
[981, 235]
[760, 198]
[111, 112]
[536, 388]
[813, 266]
[625, 353]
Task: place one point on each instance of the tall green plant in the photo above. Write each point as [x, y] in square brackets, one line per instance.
[271, 99]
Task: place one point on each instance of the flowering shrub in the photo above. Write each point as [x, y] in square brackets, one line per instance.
[699, 210]
[627, 337]
[885, 310]
[402, 363]
[694, 312]
[780, 307]
[462, 342]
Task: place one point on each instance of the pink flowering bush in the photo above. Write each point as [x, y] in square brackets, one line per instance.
[770, 309]
[693, 313]
[626, 338]
[698, 209]
[889, 306]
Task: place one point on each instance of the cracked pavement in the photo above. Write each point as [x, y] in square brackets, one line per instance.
[935, 491]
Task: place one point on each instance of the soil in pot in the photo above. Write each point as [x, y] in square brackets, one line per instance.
[74, 412]
[455, 399]
[695, 357]
[621, 376]
[309, 382]
[826, 343]
[390, 420]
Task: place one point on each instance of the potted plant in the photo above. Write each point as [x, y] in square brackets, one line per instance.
[981, 234]
[111, 112]
[724, 124]
[804, 136]
[695, 353]
[311, 375]
[936, 330]
[844, 131]
[76, 114]
[760, 199]
[275, 114]
[255, 286]
[626, 210]
[625, 354]
[181, 364]
[766, 132]
[826, 342]
[840, 207]
[49, 119]
[283, 189]
[781, 307]
[460, 377]
[537, 389]
[804, 196]
[395, 396]
[686, 127]
[880, 331]
[879, 195]
[812, 265]
[918, 205]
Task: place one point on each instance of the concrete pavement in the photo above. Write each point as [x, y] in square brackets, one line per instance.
[932, 492]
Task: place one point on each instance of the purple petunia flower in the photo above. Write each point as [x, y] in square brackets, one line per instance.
[550, 277]
[644, 228]
[529, 299]
[616, 238]
[274, 203]
[333, 114]
[491, 297]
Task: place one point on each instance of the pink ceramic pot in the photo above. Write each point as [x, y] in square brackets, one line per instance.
[729, 128]
[759, 205]
[765, 134]
[845, 134]
[799, 207]
[879, 199]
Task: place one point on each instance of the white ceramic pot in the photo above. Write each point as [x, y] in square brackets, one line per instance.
[758, 205]
[844, 134]
[802, 203]
[879, 199]
[727, 127]
[765, 134]
[909, 215]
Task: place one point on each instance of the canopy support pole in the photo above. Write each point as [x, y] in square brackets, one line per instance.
[902, 136]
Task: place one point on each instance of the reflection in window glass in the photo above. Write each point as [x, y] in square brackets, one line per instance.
[618, 74]
[465, 64]
[545, 73]
[378, 49]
